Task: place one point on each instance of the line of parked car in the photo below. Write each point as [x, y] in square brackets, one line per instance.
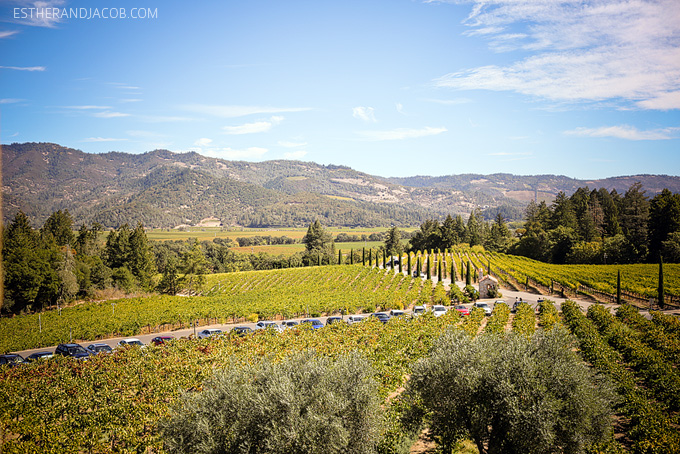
[74, 350]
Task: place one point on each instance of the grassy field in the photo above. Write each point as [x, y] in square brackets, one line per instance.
[207, 233]
[289, 249]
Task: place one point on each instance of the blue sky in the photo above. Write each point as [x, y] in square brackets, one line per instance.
[392, 88]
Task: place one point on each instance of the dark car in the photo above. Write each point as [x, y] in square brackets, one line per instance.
[161, 340]
[39, 355]
[241, 331]
[99, 348]
[72, 350]
[315, 322]
[383, 317]
[11, 360]
[331, 320]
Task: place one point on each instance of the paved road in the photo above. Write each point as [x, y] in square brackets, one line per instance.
[507, 295]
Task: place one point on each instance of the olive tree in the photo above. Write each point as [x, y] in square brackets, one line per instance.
[511, 394]
[304, 404]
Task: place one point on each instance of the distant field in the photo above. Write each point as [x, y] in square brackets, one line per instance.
[207, 233]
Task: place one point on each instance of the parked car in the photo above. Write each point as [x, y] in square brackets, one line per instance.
[438, 310]
[241, 331]
[397, 313]
[289, 324]
[208, 332]
[487, 309]
[162, 340]
[99, 348]
[382, 316]
[11, 360]
[334, 319]
[131, 341]
[419, 310]
[462, 309]
[500, 302]
[38, 356]
[315, 322]
[267, 324]
[73, 350]
[352, 319]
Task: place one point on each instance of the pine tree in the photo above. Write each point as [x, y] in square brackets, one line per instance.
[429, 272]
[661, 289]
[618, 287]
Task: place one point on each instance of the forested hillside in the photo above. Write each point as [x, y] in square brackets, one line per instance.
[165, 189]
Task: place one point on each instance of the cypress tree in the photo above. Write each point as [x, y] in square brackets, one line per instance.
[661, 292]
[418, 266]
[363, 256]
[408, 264]
[351, 256]
[462, 270]
[429, 272]
[618, 287]
[384, 259]
[468, 277]
[400, 260]
[439, 270]
[370, 258]
[319, 259]
[339, 256]
[453, 273]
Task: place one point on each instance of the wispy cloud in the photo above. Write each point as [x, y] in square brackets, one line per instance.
[7, 34]
[102, 139]
[400, 108]
[295, 154]
[25, 68]
[366, 114]
[239, 111]
[449, 102]
[401, 133]
[88, 107]
[230, 153]
[253, 128]
[626, 132]
[287, 144]
[10, 100]
[109, 114]
[581, 52]
[42, 13]
[203, 142]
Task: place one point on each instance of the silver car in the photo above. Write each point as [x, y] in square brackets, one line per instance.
[208, 332]
[487, 309]
[438, 310]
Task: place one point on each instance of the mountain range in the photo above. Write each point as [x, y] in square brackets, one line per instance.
[165, 189]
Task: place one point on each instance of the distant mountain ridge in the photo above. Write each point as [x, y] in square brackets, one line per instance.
[164, 189]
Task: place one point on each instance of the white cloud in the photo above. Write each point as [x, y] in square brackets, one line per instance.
[102, 139]
[42, 14]
[366, 114]
[626, 132]
[401, 133]
[449, 102]
[7, 34]
[129, 100]
[252, 128]
[88, 107]
[239, 111]
[10, 100]
[230, 153]
[400, 108]
[287, 144]
[295, 154]
[581, 52]
[109, 114]
[164, 118]
[25, 68]
[203, 142]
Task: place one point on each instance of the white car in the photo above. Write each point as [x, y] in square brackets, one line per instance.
[352, 319]
[131, 341]
[418, 310]
[486, 307]
[397, 313]
[208, 332]
[265, 324]
[438, 310]
[289, 324]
